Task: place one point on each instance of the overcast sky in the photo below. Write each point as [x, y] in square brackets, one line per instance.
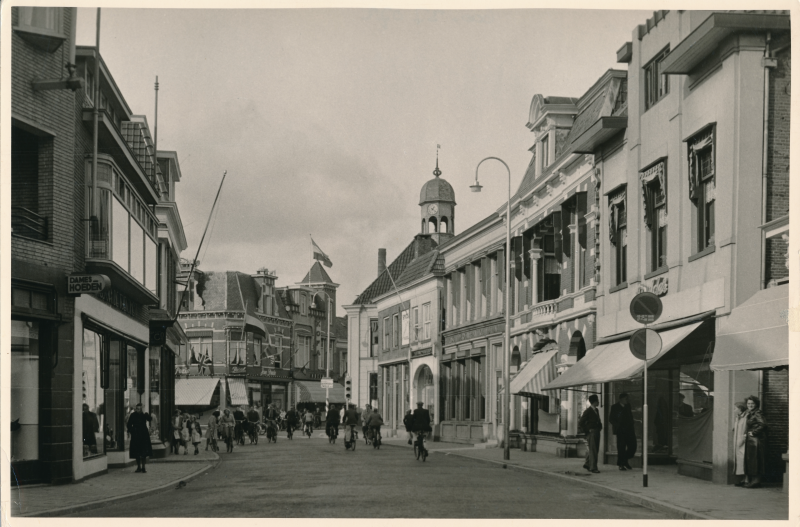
[327, 121]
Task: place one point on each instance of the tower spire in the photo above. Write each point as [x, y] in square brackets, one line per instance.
[437, 172]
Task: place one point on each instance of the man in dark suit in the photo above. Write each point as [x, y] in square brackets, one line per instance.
[591, 425]
[621, 418]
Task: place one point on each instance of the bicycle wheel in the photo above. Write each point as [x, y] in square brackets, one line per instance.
[424, 454]
[416, 451]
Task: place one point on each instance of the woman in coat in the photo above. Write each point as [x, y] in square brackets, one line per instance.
[211, 432]
[755, 446]
[739, 440]
[177, 424]
[140, 447]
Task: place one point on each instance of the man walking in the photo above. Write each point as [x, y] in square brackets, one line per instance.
[591, 425]
[621, 418]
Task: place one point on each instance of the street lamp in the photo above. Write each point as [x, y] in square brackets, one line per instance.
[506, 354]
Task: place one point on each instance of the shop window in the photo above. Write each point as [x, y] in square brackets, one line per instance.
[656, 84]
[114, 425]
[92, 395]
[618, 233]
[25, 390]
[702, 186]
[654, 190]
[155, 395]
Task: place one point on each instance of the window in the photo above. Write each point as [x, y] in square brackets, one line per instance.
[405, 322]
[373, 387]
[258, 345]
[25, 341]
[618, 232]
[656, 84]
[41, 26]
[155, 396]
[200, 353]
[395, 330]
[546, 151]
[702, 188]
[237, 349]
[373, 337]
[31, 155]
[415, 334]
[303, 309]
[426, 318]
[386, 334]
[653, 181]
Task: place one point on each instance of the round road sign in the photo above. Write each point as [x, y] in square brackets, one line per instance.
[645, 344]
[646, 308]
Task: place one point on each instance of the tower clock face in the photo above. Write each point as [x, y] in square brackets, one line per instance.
[433, 209]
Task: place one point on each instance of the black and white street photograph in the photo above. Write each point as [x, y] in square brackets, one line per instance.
[403, 260]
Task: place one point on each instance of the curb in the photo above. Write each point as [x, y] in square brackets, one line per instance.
[651, 503]
[116, 499]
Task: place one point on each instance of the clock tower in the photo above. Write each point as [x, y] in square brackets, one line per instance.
[437, 202]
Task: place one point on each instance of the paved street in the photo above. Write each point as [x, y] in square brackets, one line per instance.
[312, 478]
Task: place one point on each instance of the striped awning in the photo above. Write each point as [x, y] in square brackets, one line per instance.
[312, 392]
[195, 391]
[237, 390]
[535, 374]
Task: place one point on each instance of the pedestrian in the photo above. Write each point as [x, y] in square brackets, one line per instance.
[621, 418]
[177, 424]
[684, 410]
[185, 434]
[227, 424]
[140, 446]
[308, 419]
[91, 426]
[332, 421]
[755, 446]
[211, 432]
[374, 424]
[591, 424]
[408, 422]
[739, 441]
[364, 419]
[291, 421]
[196, 432]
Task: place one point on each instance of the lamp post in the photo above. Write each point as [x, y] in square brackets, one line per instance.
[506, 352]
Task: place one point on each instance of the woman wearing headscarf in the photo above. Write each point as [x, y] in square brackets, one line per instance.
[739, 440]
[755, 445]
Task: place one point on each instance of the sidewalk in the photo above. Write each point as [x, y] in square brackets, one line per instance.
[118, 485]
[680, 496]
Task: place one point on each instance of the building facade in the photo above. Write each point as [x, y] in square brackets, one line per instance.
[692, 191]
[90, 301]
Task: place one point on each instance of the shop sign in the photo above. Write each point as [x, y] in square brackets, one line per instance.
[268, 372]
[659, 286]
[238, 370]
[78, 284]
[422, 352]
[326, 382]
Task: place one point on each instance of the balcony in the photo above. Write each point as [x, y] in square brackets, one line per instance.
[550, 312]
[28, 224]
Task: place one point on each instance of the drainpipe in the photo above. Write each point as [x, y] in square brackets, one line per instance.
[95, 118]
[768, 63]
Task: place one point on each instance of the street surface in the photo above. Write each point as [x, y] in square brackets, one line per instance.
[312, 478]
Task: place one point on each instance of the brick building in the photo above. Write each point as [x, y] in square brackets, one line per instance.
[90, 305]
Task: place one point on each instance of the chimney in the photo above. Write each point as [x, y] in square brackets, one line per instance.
[381, 261]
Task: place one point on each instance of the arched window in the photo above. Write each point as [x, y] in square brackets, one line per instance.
[577, 346]
[443, 224]
[424, 225]
[432, 225]
[516, 359]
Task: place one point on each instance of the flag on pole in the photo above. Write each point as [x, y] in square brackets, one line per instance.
[319, 255]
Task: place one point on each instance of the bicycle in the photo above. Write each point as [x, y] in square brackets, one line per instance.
[252, 432]
[308, 429]
[289, 431]
[419, 447]
[375, 438]
[272, 432]
[353, 436]
[239, 432]
[365, 430]
[333, 431]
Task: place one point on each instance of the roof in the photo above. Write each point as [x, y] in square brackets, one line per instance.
[340, 328]
[318, 274]
[195, 391]
[437, 189]
[383, 283]
[232, 290]
[431, 262]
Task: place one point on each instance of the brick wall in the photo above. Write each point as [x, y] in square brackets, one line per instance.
[775, 405]
[778, 161]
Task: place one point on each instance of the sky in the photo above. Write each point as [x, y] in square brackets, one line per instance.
[327, 120]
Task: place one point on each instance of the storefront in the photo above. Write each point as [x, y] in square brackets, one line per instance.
[680, 393]
[267, 385]
[394, 396]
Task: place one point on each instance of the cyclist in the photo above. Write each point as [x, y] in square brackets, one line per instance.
[332, 422]
[226, 424]
[252, 424]
[291, 421]
[240, 418]
[350, 422]
[308, 419]
[364, 418]
[421, 422]
[374, 424]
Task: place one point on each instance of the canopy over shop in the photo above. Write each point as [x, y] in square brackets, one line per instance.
[197, 392]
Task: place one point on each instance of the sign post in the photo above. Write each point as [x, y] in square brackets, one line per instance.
[645, 344]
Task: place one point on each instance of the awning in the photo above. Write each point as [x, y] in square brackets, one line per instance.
[252, 321]
[237, 390]
[535, 374]
[615, 362]
[195, 391]
[311, 392]
[756, 334]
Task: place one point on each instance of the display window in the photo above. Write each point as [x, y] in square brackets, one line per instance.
[93, 395]
[24, 390]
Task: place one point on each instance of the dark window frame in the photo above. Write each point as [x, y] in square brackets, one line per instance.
[656, 84]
